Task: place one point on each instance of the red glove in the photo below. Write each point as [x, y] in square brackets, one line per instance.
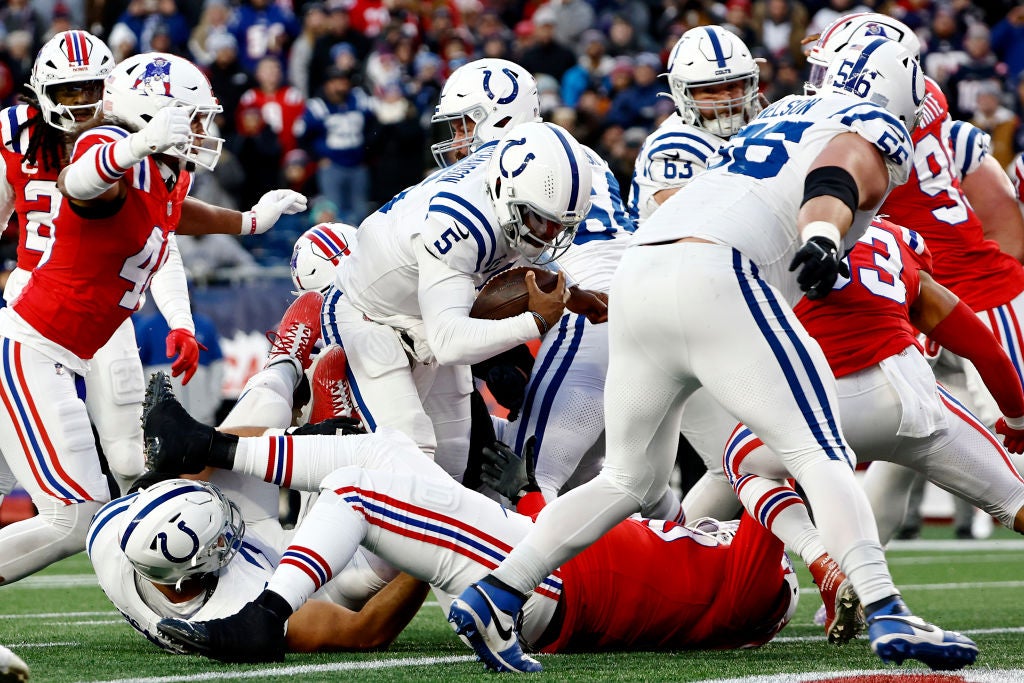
[1013, 439]
[183, 344]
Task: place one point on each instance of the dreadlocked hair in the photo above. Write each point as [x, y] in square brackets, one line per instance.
[47, 146]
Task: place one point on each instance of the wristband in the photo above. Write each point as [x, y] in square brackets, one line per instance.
[544, 327]
[1015, 423]
[821, 229]
[249, 223]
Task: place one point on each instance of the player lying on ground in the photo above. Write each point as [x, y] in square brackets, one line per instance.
[379, 491]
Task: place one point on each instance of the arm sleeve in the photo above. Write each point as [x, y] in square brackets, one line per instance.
[970, 146]
[445, 297]
[170, 290]
[101, 158]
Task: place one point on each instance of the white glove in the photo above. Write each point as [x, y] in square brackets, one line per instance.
[269, 208]
[171, 127]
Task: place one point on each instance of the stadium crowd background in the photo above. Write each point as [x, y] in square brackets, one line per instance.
[334, 98]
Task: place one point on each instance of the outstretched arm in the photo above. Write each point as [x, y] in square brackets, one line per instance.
[320, 626]
[200, 218]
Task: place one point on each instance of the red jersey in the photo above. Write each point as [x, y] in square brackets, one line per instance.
[864, 319]
[35, 188]
[932, 204]
[280, 111]
[653, 585]
[98, 266]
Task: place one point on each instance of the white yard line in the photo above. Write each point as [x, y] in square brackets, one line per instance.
[969, 675]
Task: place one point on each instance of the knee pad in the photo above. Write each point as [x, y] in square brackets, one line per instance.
[127, 382]
[70, 522]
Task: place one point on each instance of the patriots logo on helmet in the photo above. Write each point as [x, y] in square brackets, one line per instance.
[156, 71]
[874, 29]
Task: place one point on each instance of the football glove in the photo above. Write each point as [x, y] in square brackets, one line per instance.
[183, 344]
[330, 427]
[507, 473]
[820, 266]
[270, 208]
[1013, 439]
[169, 127]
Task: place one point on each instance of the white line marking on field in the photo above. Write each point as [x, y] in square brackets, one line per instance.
[21, 646]
[972, 675]
[943, 586]
[958, 545]
[821, 636]
[57, 615]
[306, 669]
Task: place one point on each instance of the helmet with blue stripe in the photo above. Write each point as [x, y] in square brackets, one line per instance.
[710, 56]
[180, 528]
[539, 180]
[881, 71]
[857, 28]
[75, 59]
[492, 96]
[317, 253]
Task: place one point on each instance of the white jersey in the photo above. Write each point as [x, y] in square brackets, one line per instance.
[750, 197]
[603, 236]
[970, 145]
[452, 215]
[239, 582]
[671, 157]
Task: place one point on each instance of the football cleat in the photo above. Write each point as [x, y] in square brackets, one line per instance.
[174, 441]
[843, 616]
[12, 668]
[332, 395]
[298, 332]
[487, 616]
[897, 635]
[255, 634]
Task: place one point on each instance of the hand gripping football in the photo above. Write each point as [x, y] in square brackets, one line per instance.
[505, 295]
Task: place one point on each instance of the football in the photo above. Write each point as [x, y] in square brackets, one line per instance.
[505, 295]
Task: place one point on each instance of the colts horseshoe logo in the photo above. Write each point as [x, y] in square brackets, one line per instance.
[501, 159]
[515, 86]
[162, 538]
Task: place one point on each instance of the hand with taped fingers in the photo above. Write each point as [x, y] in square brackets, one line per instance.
[549, 306]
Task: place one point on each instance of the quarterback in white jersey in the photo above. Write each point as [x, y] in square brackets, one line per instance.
[705, 300]
[401, 304]
[713, 81]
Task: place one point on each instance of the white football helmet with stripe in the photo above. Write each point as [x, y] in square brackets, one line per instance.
[70, 57]
[883, 72]
[180, 528]
[142, 85]
[848, 29]
[495, 94]
[539, 180]
[707, 56]
[317, 253]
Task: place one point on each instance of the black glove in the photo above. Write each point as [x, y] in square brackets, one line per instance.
[820, 265]
[507, 384]
[330, 427]
[148, 478]
[507, 473]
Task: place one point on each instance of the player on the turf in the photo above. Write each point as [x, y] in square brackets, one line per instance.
[740, 594]
[704, 299]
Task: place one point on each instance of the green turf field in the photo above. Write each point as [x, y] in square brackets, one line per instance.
[63, 626]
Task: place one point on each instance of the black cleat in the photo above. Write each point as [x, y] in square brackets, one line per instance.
[255, 634]
[175, 442]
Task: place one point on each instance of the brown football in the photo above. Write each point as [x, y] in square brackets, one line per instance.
[505, 295]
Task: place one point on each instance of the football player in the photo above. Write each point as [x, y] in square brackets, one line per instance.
[378, 490]
[562, 402]
[13, 668]
[706, 301]
[400, 305]
[122, 198]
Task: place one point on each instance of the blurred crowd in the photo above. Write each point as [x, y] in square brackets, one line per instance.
[334, 98]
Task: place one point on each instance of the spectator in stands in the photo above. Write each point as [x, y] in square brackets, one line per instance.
[786, 80]
[981, 66]
[524, 40]
[279, 103]
[944, 51]
[996, 120]
[832, 10]
[339, 30]
[205, 255]
[122, 42]
[1008, 42]
[216, 18]
[547, 56]
[20, 15]
[780, 26]
[624, 39]
[227, 77]
[593, 66]
[336, 127]
[20, 56]
[738, 19]
[634, 107]
[489, 25]
[259, 150]
[425, 87]
[572, 18]
[395, 154]
[314, 26]
[262, 28]
[172, 23]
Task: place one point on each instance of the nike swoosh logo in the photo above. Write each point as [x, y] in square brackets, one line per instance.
[503, 631]
[918, 624]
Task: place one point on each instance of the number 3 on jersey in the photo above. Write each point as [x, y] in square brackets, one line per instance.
[139, 268]
[885, 277]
